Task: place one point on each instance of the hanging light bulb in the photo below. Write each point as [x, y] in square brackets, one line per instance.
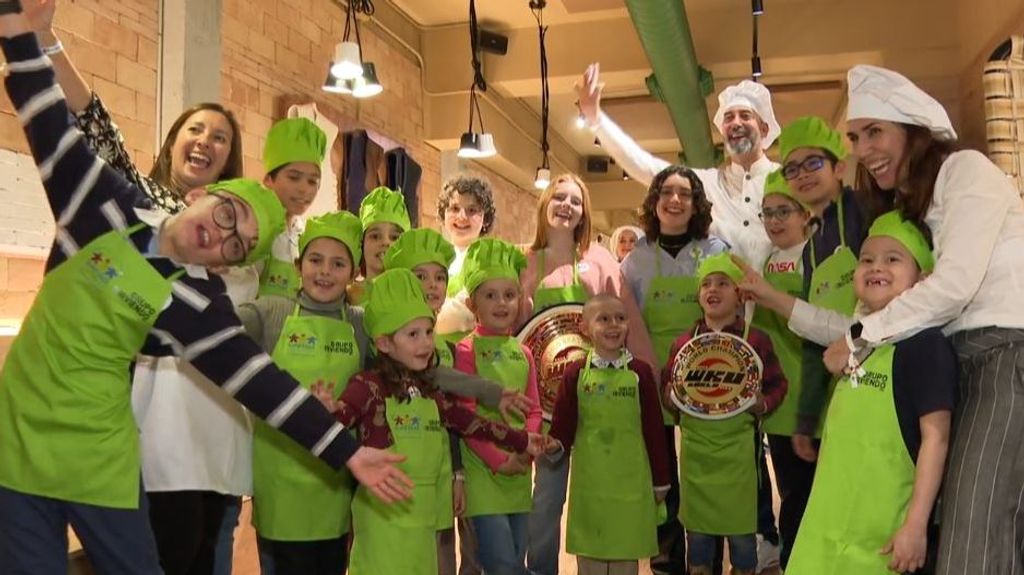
[487, 148]
[346, 64]
[543, 178]
[757, 7]
[469, 145]
[336, 85]
[755, 67]
[367, 85]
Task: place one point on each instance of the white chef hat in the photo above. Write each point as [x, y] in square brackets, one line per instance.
[753, 96]
[881, 94]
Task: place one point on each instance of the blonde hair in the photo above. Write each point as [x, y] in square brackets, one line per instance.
[581, 235]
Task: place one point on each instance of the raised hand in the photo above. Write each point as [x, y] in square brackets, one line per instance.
[588, 93]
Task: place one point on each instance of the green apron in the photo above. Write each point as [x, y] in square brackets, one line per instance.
[788, 348]
[500, 359]
[670, 309]
[445, 494]
[718, 474]
[864, 480]
[66, 425]
[546, 297]
[292, 489]
[279, 277]
[612, 513]
[832, 280]
[400, 537]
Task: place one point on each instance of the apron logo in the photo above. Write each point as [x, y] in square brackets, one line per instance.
[625, 392]
[594, 388]
[410, 423]
[496, 355]
[336, 346]
[301, 343]
[278, 280]
[874, 379]
[845, 279]
[105, 272]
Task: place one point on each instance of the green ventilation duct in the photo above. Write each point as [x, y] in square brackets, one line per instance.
[665, 34]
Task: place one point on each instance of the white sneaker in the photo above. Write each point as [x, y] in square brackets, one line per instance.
[767, 554]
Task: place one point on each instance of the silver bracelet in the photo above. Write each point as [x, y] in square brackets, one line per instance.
[53, 49]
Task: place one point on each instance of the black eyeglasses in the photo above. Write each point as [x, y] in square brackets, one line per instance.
[810, 164]
[232, 248]
[781, 213]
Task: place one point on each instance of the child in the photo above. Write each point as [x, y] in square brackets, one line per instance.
[292, 156]
[717, 463]
[786, 220]
[121, 281]
[612, 517]
[428, 255]
[886, 430]
[396, 404]
[316, 336]
[498, 505]
[384, 218]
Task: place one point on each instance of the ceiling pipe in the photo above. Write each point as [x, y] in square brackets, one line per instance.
[665, 35]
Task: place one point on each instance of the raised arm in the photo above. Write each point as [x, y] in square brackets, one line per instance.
[638, 163]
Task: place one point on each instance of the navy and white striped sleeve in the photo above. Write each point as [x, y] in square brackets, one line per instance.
[201, 327]
[86, 196]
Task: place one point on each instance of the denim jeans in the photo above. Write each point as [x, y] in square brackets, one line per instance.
[223, 554]
[501, 543]
[742, 550]
[34, 536]
[549, 489]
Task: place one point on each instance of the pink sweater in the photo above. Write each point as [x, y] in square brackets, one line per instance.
[599, 273]
[465, 361]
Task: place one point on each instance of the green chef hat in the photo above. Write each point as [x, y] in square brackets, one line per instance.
[810, 132]
[775, 183]
[342, 226]
[419, 246]
[294, 140]
[893, 225]
[719, 264]
[395, 298]
[488, 259]
[266, 207]
[384, 205]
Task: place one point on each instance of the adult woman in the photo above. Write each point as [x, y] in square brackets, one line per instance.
[661, 271]
[195, 441]
[623, 240]
[563, 266]
[909, 160]
[466, 210]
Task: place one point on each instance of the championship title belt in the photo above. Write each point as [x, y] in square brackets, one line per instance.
[716, 375]
[555, 339]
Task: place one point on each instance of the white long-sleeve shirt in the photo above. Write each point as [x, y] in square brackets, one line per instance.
[735, 193]
[977, 224]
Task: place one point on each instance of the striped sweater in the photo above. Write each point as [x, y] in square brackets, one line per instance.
[88, 199]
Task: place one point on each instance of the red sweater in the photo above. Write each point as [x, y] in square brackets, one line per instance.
[363, 404]
[773, 382]
[565, 419]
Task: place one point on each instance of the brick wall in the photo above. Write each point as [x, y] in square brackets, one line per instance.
[272, 49]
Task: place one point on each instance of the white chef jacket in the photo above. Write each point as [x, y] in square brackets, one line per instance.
[735, 194]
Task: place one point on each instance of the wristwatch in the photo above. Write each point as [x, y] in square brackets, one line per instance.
[853, 339]
[9, 7]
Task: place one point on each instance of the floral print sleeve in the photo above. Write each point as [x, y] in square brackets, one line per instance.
[103, 136]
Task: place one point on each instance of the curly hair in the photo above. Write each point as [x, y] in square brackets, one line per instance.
[476, 186]
[700, 220]
[394, 375]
